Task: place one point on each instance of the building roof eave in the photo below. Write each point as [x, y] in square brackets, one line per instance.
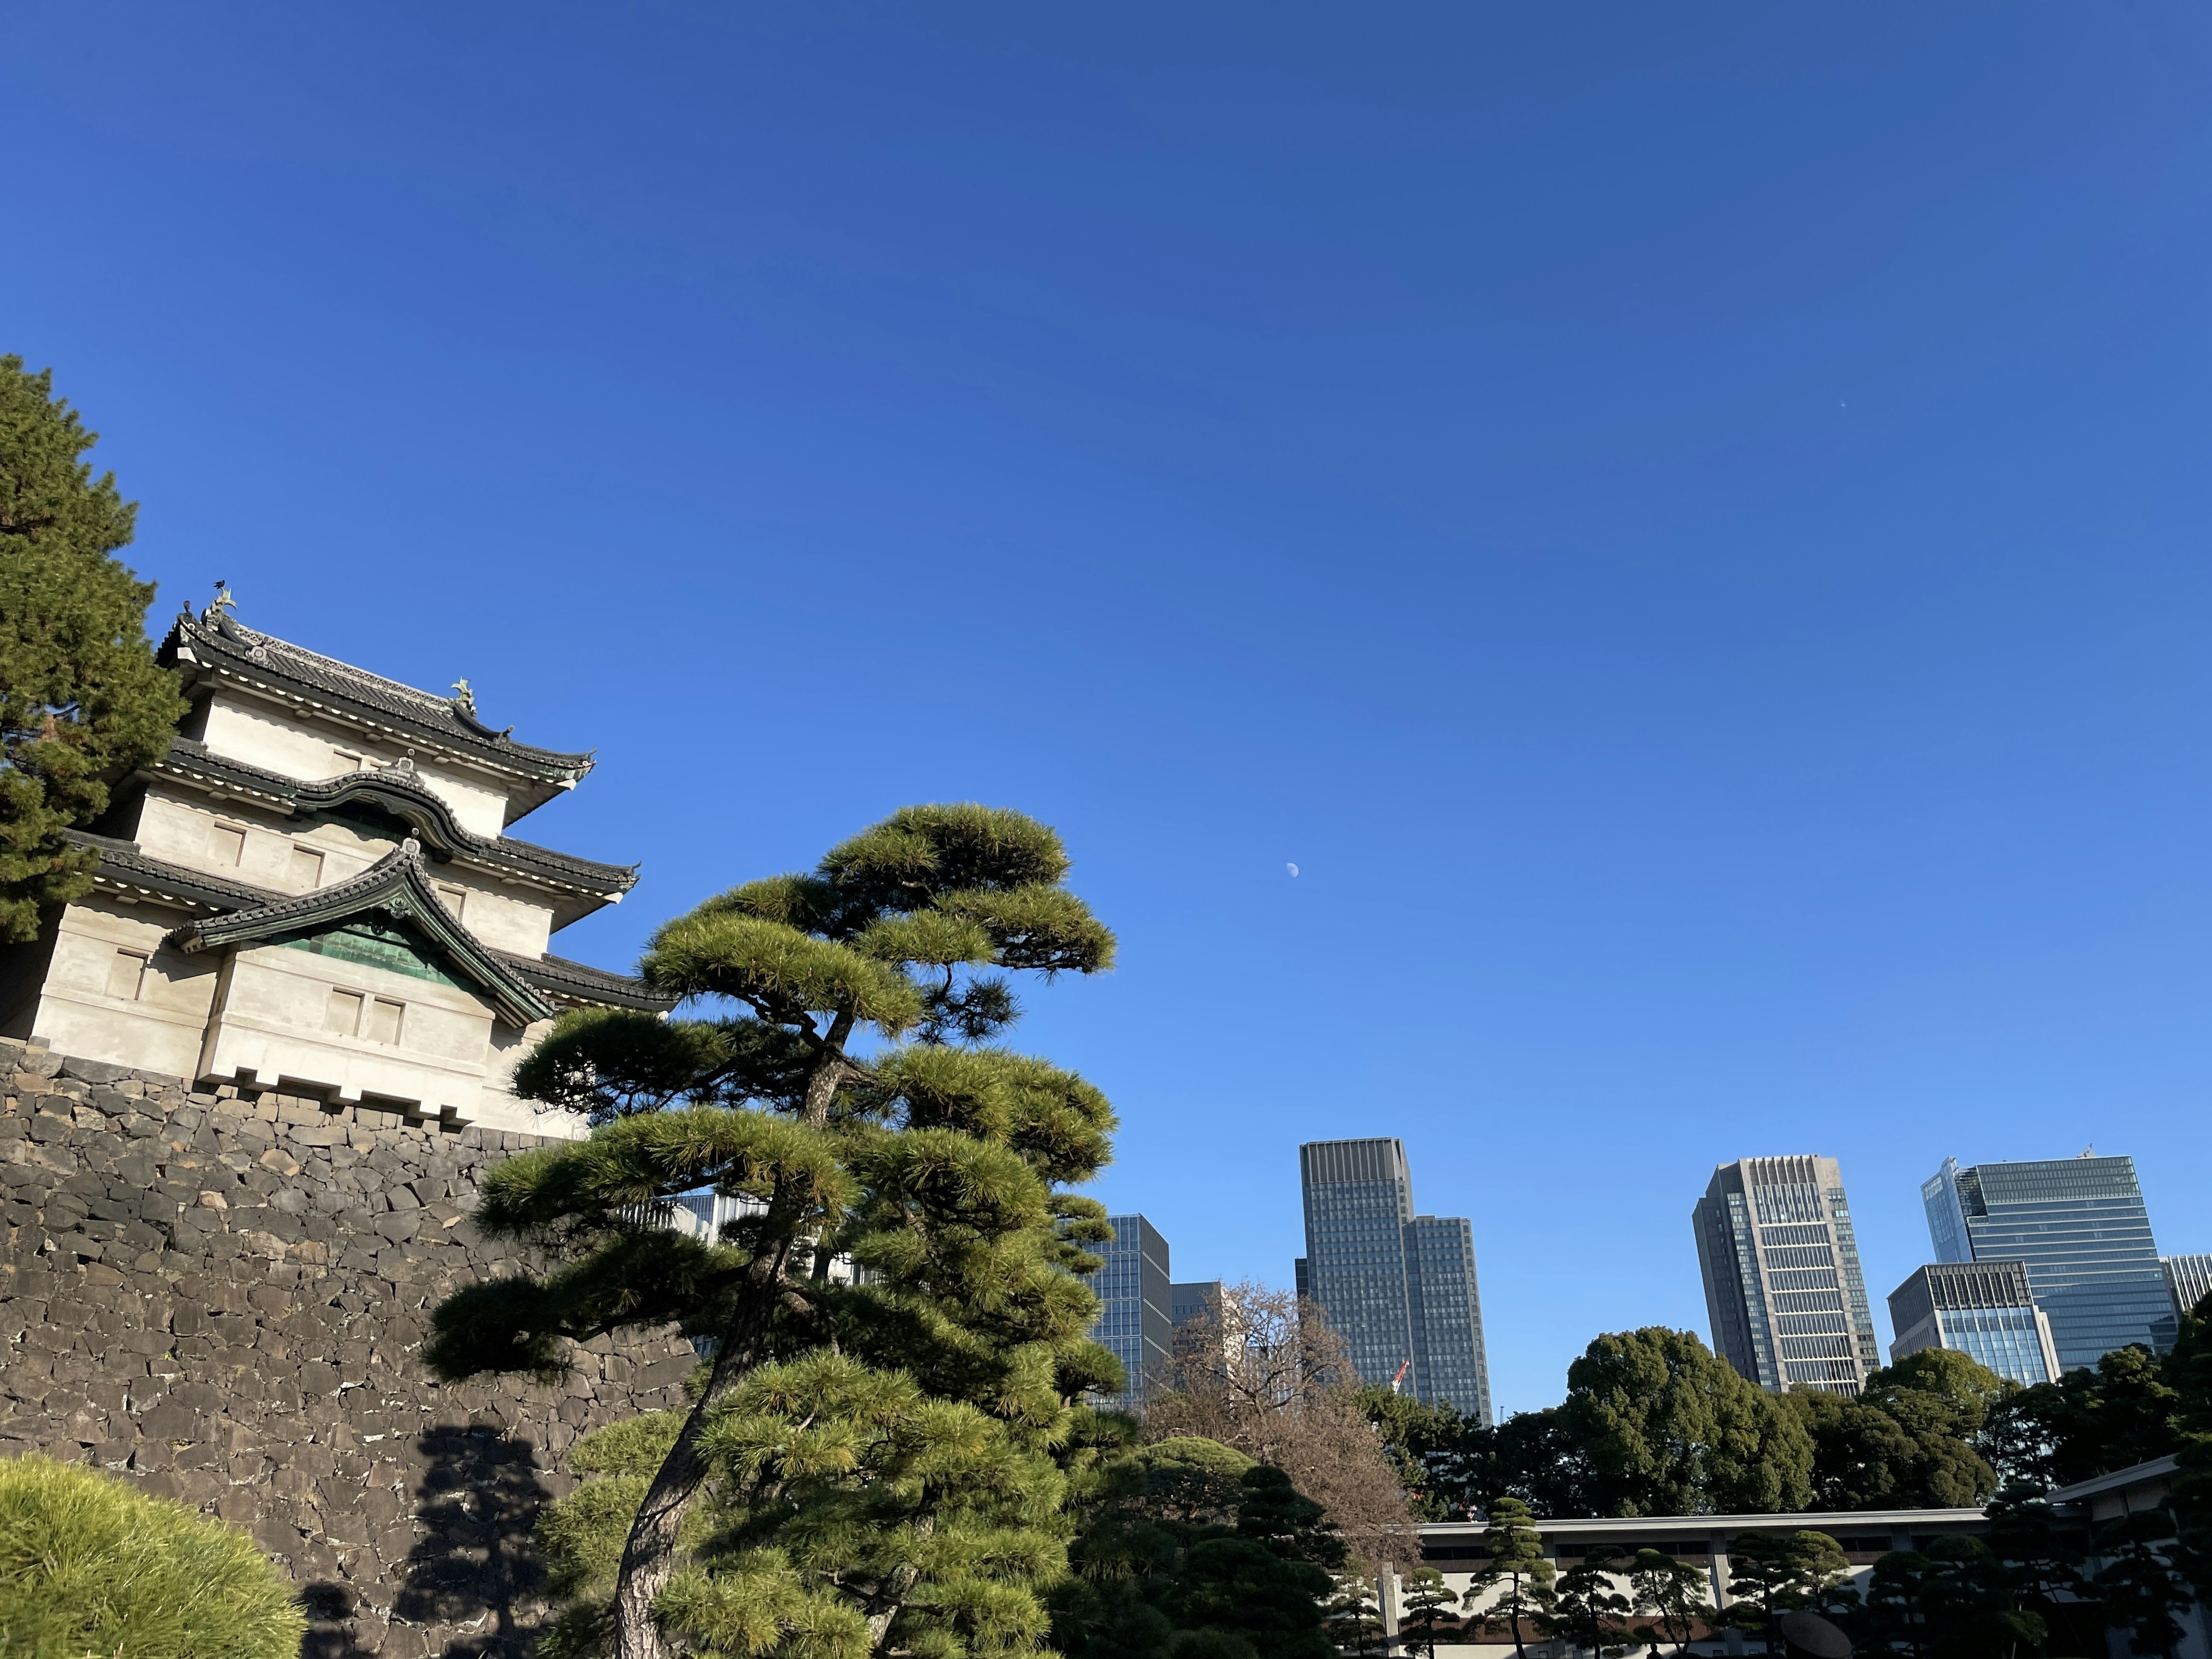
[396, 885]
[399, 791]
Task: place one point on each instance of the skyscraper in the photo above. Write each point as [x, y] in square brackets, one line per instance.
[1984, 1309]
[2189, 1278]
[1399, 1288]
[1133, 1316]
[2080, 1225]
[1782, 1285]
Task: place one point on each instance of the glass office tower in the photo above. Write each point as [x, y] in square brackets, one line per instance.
[1399, 1288]
[2080, 1225]
[1984, 1309]
[1134, 1317]
[1782, 1285]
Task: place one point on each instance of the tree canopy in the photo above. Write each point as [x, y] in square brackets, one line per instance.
[82, 700]
[875, 1460]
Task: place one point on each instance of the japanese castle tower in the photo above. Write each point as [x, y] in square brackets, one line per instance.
[313, 890]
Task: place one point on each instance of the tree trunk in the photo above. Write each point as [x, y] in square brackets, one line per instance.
[649, 1555]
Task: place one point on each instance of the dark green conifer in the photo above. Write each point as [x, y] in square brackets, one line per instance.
[886, 1458]
[82, 700]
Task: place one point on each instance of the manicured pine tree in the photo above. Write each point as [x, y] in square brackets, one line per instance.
[82, 700]
[1429, 1607]
[1587, 1610]
[1770, 1573]
[1673, 1592]
[1516, 1561]
[887, 1455]
[2142, 1589]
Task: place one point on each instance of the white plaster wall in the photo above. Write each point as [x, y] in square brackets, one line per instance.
[160, 1030]
[246, 729]
[271, 1020]
[498, 918]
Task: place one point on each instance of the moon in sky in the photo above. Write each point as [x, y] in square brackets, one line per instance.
[1292, 868]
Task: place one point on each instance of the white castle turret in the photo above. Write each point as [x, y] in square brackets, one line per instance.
[313, 890]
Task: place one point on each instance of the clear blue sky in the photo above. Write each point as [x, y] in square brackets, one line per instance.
[1687, 524]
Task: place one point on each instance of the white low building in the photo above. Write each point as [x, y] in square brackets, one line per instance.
[314, 890]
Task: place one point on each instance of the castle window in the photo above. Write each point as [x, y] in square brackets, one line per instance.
[455, 897]
[126, 976]
[227, 843]
[307, 868]
[343, 1014]
[384, 1021]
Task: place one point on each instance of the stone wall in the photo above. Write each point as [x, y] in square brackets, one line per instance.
[224, 1299]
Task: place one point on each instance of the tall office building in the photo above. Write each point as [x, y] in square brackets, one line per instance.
[2189, 1277]
[1133, 1314]
[1782, 1285]
[1186, 1301]
[2080, 1225]
[1984, 1309]
[1399, 1287]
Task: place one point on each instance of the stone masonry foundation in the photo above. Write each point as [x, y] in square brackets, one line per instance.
[224, 1299]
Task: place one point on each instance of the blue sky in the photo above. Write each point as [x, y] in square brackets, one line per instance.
[1686, 524]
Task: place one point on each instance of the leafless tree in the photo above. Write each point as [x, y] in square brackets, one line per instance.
[1261, 1371]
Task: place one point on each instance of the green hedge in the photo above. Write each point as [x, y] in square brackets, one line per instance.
[89, 1567]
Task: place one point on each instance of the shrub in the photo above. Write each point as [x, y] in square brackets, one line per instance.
[89, 1567]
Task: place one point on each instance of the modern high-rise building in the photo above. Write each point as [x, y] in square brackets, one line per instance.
[1782, 1285]
[2189, 1277]
[1399, 1287]
[1984, 1309]
[1187, 1301]
[1133, 1298]
[2080, 1225]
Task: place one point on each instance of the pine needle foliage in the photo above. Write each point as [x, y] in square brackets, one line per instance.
[89, 1567]
[82, 700]
[866, 1467]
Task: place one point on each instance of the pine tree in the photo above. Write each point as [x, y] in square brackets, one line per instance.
[1587, 1610]
[1429, 1605]
[1516, 1561]
[82, 700]
[1673, 1592]
[888, 1458]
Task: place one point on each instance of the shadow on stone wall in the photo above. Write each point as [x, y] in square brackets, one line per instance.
[475, 1570]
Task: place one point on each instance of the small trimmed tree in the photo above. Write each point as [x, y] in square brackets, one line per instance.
[88, 1565]
[1673, 1592]
[1587, 1610]
[888, 1456]
[1516, 1563]
[1770, 1573]
[82, 699]
[1429, 1607]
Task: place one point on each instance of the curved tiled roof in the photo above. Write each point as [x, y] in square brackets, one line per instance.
[406, 797]
[127, 872]
[396, 885]
[585, 983]
[216, 643]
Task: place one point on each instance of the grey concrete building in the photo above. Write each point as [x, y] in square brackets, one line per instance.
[2080, 1225]
[1400, 1287]
[2188, 1279]
[1984, 1309]
[1783, 1288]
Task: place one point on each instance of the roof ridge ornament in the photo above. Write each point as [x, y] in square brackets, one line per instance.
[464, 698]
[218, 607]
